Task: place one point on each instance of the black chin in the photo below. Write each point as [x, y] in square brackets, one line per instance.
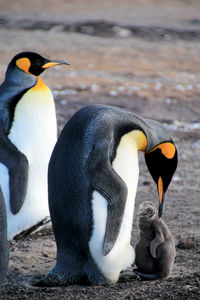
[36, 70]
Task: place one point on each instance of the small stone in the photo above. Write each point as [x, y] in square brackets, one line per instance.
[180, 87]
[168, 100]
[113, 93]
[158, 86]
[94, 88]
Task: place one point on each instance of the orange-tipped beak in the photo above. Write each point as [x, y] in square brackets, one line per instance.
[55, 63]
[161, 195]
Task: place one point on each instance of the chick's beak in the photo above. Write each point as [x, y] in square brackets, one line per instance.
[52, 63]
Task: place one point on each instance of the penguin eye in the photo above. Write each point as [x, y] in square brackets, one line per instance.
[37, 62]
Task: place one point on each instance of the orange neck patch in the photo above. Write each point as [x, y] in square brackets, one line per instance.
[140, 139]
[167, 149]
[24, 64]
[143, 142]
[40, 85]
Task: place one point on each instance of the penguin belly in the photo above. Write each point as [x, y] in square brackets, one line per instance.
[122, 255]
[34, 133]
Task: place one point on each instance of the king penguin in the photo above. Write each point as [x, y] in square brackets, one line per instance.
[28, 133]
[92, 179]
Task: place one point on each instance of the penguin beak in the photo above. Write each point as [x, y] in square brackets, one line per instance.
[161, 195]
[55, 63]
[161, 206]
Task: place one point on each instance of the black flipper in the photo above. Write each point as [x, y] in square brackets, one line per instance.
[17, 164]
[105, 180]
[157, 241]
[4, 247]
[15, 85]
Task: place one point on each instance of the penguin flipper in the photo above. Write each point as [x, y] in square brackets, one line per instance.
[157, 241]
[17, 165]
[108, 183]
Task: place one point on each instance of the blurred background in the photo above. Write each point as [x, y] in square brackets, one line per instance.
[128, 53]
[142, 55]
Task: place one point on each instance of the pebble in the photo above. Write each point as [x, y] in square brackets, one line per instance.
[135, 88]
[72, 74]
[83, 86]
[113, 93]
[158, 86]
[94, 88]
[196, 144]
[176, 178]
[121, 88]
[189, 87]
[168, 100]
[193, 126]
[180, 87]
[65, 92]
[63, 102]
[121, 32]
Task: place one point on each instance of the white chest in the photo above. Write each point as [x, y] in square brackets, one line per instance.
[34, 128]
[122, 255]
[34, 133]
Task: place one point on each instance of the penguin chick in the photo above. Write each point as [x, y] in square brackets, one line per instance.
[28, 132]
[154, 249]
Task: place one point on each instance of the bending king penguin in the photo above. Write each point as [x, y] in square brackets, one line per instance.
[28, 132]
[93, 176]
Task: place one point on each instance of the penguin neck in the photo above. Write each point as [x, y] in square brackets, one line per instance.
[126, 166]
[17, 78]
[15, 85]
[145, 226]
[40, 85]
[126, 159]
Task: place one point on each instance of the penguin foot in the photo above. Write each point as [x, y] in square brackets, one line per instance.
[127, 275]
[48, 281]
[57, 277]
[144, 276]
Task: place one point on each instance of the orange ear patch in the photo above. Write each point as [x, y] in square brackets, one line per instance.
[23, 64]
[167, 149]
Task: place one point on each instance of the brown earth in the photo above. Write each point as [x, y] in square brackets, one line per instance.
[139, 55]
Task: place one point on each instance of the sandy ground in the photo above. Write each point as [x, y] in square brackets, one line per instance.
[143, 57]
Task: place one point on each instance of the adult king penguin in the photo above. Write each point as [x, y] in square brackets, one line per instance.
[93, 176]
[28, 132]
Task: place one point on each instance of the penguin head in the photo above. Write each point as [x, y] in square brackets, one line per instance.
[162, 162]
[33, 63]
[147, 211]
